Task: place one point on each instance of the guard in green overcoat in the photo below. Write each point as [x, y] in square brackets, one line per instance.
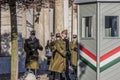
[58, 61]
[74, 51]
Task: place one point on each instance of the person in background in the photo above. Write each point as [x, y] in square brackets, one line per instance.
[73, 51]
[49, 49]
[58, 36]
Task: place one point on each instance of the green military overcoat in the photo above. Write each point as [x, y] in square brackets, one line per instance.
[58, 60]
[32, 56]
[73, 52]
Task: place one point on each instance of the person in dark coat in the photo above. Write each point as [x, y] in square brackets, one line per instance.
[31, 47]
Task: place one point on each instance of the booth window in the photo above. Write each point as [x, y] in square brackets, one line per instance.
[87, 27]
[111, 26]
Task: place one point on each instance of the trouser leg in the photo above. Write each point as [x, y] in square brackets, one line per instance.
[75, 72]
[53, 74]
[36, 74]
[67, 76]
[67, 73]
[67, 70]
[34, 71]
[61, 77]
[28, 70]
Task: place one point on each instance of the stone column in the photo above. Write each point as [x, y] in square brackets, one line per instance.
[74, 19]
[24, 27]
[70, 22]
[51, 19]
[66, 14]
[29, 21]
[46, 25]
[59, 15]
[39, 28]
[43, 29]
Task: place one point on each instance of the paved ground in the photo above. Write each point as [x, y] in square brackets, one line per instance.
[43, 75]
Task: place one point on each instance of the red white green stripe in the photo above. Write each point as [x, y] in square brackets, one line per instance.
[88, 63]
[106, 61]
[109, 54]
[87, 57]
[109, 59]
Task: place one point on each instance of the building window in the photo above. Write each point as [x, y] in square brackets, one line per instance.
[87, 27]
[111, 26]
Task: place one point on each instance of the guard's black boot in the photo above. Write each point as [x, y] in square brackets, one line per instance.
[53, 74]
[61, 77]
[67, 76]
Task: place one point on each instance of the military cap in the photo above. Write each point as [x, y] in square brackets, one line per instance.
[52, 34]
[74, 36]
[57, 34]
[32, 32]
[64, 32]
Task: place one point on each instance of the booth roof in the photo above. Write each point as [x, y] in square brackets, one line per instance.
[89, 1]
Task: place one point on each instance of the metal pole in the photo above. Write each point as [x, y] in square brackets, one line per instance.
[78, 32]
[71, 20]
[33, 19]
[44, 26]
[0, 27]
[98, 40]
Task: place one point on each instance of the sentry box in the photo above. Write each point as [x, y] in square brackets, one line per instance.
[99, 39]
